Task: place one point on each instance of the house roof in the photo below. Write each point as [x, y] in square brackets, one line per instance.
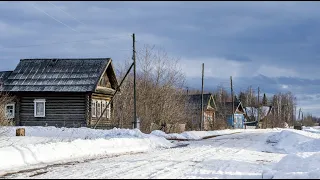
[228, 107]
[3, 76]
[195, 99]
[59, 75]
[253, 111]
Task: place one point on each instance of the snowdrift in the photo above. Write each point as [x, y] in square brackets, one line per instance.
[311, 129]
[44, 145]
[294, 141]
[303, 159]
[196, 135]
[295, 166]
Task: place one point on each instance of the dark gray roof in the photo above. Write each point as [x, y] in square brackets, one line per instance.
[59, 75]
[195, 99]
[3, 77]
[228, 106]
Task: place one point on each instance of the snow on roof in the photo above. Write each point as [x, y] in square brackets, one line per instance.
[253, 111]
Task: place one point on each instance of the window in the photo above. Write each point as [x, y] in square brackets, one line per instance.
[39, 107]
[103, 105]
[108, 110]
[93, 108]
[9, 113]
[98, 108]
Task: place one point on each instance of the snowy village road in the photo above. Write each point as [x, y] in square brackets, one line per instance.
[240, 155]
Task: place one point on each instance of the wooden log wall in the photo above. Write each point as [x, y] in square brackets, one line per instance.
[61, 110]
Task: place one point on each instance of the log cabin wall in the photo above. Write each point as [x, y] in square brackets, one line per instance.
[61, 109]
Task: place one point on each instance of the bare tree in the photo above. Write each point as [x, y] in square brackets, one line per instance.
[160, 96]
[221, 97]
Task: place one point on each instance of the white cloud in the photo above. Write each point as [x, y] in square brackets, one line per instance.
[214, 67]
[274, 71]
[309, 103]
[284, 86]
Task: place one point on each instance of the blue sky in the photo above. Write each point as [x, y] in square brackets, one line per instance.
[273, 45]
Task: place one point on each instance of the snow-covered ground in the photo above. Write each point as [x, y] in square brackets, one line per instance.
[196, 135]
[302, 149]
[315, 129]
[260, 153]
[46, 145]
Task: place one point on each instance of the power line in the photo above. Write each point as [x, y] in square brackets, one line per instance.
[33, 45]
[53, 17]
[61, 22]
[65, 12]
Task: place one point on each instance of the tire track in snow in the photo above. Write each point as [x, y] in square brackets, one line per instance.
[180, 169]
[219, 170]
[210, 158]
[132, 166]
[163, 164]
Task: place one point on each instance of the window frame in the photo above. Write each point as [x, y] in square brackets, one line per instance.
[13, 109]
[108, 110]
[93, 102]
[103, 107]
[35, 101]
[98, 102]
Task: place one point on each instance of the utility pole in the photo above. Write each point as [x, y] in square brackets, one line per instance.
[258, 117]
[294, 116]
[135, 123]
[232, 101]
[251, 104]
[202, 122]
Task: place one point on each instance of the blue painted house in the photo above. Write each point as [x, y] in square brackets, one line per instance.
[238, 121]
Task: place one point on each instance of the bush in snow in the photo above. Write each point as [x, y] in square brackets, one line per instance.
[4, 100]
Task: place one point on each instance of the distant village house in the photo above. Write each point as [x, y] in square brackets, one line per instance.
[209, 109]
[235, 116]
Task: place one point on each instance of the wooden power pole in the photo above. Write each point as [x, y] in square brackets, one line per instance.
[202, 122]
[135, 123]
[258, 116]
[232, 101]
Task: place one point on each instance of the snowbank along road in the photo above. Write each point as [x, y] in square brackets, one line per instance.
[242, 155]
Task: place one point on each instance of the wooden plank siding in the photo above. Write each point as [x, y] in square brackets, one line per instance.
[104, 123]
[87, 110]
[61, 110]
[17, 110]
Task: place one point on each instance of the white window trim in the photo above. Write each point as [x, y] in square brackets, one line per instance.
[98, 102]
[109, 110]
[35, 107]
[6, 114]
[95, 108]
[104, 103]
